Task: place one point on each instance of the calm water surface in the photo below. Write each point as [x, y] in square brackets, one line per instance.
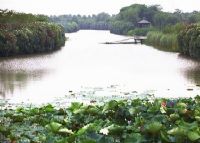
[86, 63]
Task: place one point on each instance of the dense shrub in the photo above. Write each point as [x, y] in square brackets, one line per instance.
[121, 27]
[31, 38]
[140, 31]
[71, 27]
[12, 17]
[22, 33]
[7, 43]
[189, 41]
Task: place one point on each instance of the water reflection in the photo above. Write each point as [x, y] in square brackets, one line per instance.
[193, 74]
[16, 73]
[11, 81]
[191, 69]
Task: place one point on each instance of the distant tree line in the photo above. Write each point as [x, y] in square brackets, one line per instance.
[73, 23]
[125, 22]
[163, 32]
[175, 31]
[22, 33]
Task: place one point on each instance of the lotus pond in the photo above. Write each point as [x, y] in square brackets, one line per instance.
[116, 121]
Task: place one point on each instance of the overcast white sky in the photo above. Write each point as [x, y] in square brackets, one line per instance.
[86, 7]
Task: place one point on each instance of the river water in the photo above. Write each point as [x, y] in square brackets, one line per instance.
[85, 65]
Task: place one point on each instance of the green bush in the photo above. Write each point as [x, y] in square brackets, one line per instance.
[121, 27]
[26, 33]
[189, 41]
[31, 38]
[140, 31]
[7, 43]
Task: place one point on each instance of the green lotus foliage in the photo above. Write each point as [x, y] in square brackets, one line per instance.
[127, 121]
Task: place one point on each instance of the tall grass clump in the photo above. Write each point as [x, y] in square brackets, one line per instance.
[166, 38]
[167, 42]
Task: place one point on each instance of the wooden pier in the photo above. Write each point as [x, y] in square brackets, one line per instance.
[131, 40]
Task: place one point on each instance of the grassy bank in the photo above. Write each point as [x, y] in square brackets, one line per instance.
[139, 120]
[166, 42]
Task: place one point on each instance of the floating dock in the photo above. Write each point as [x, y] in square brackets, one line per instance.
[131, 40]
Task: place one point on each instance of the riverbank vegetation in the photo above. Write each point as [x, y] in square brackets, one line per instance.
[162, 32]
[73, 23]
[127, 19]
[121, 23]
[140, 31]
[166, 42]
[124, 121]
[165, 26]
[189, 41]
[165, 39]
[26, 34]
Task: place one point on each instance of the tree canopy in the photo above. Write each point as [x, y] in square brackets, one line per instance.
[126, 19]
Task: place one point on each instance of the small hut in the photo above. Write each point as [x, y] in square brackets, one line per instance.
[144, 23]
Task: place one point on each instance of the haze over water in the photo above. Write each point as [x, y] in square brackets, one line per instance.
[85, 62]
